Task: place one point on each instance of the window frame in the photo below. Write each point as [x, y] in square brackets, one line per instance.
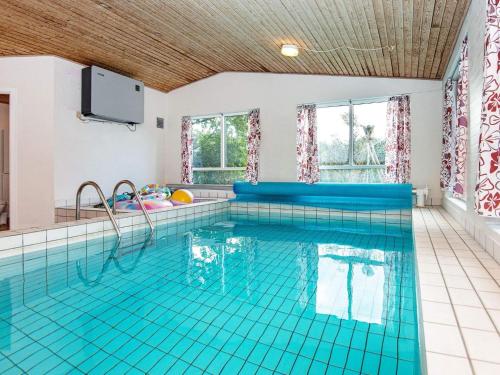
[454, 76]
[351, 103]
[222, 116]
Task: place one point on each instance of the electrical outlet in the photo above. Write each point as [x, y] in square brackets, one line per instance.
[159, 122]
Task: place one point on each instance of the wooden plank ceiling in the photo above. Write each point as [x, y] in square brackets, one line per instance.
[169, 43]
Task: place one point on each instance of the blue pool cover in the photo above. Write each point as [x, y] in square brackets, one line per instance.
[358, 197]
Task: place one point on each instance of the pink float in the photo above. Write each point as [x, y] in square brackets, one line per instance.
[149, 204]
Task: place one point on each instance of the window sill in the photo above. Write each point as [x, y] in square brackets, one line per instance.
[457, 203]
[349, 167]
[201, 186]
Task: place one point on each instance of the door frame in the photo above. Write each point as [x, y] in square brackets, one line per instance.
[13, 198]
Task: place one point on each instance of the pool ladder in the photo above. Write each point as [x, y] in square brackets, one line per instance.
[111, 214]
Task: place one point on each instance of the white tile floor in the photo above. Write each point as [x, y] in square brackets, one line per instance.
[460, 295]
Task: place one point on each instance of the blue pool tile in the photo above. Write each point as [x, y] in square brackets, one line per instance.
[282, 338]
[264, 371]
[323, 352]
[105, 365]
[257, 331]
[83, 354]
[233, 366]
[272, 358]
[258, 353]
[181, 347]
[309, 347]
[205, 357]
[38, 357]
[232, 344]
[170, 342]
[332, 370]
[339, 356]
[388, 365]
[20, 355]
[407, 331]
[137, 354]
[268, 335]
[301, 365]
[245, 348]
[178, 367]
[130, 347]
[359, 340]
[354, 360]
[192, 370]
[406, 349]
[303, 326]
[12, 371]
[316, 330]
[218, 363]
[390, 347]
[286, 362]
[92, 362]
[371, 364]
[249, 368]
[406, 367]
[44, 365]
[330, 332]
[162, 365]
[318, 368]
[374, 343]
[295, 344]
[149, 360]
[63, 368]
[120, 367]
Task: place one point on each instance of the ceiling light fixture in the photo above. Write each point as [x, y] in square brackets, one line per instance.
[289, 50]
[292, 50]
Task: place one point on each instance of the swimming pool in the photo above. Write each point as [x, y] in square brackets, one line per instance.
[239, 291]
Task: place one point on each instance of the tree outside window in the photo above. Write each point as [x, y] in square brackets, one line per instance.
[351, 141]
[219, 148]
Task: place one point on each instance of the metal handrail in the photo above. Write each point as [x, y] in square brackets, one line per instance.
[103, 200]
[137, 196]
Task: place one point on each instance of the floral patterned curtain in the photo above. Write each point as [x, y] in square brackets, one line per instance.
[307, 144]
[398, 142]
[253, 145]
[186, 151]
[448, 150]
[462, 121]
[488, 184]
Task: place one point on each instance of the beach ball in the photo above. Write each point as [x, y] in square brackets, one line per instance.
[182, 196]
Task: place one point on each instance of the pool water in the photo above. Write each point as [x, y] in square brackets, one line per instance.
[229, 297]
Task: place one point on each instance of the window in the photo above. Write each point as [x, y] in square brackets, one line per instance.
[219, 148]
[351, 141]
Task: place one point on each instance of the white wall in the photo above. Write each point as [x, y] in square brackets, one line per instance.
[30, 82]
[52, 152]
[103, 152]
[277, 96]
[486, 231]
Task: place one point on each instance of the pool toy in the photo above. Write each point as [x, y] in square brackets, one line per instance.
[119, 197]
[155, 188]
[182, 196]
[149, 204]
[155, 196]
